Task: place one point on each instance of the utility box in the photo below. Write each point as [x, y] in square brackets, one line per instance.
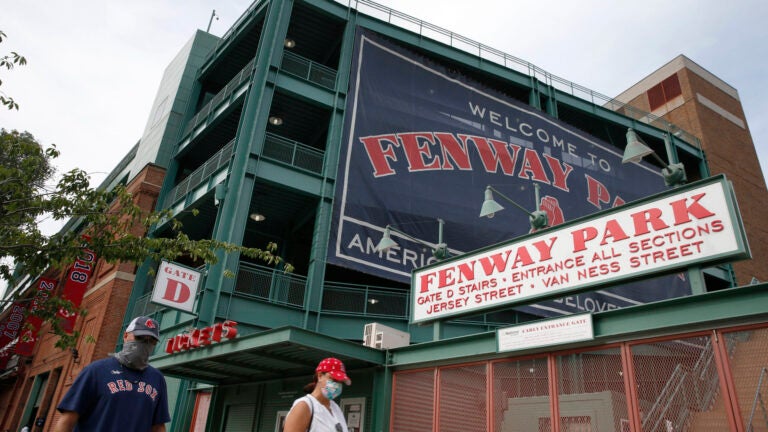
[382, 337]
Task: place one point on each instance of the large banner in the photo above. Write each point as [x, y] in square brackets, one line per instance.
[75, 285]
[422, 141]
[29, 335]
[9, 332]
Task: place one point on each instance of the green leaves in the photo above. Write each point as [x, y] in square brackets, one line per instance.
[9, 62]
[115, 222]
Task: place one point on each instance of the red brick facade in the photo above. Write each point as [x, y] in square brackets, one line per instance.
[711, 110]
[105, 301]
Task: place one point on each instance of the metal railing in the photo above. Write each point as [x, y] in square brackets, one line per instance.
[201, 174]
[364, 300]
[308, 70]
[758, 398]
[235, 83]
[270, 284]
[671, 407]
[503, 59]
[293, 153]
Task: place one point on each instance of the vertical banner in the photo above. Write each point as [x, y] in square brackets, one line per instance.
[9, 331]
[29, 334]
[75, 285]
[422, 140]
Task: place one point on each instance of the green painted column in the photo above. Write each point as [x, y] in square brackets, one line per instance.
[317, 263]
[233, 214]
[382, 399]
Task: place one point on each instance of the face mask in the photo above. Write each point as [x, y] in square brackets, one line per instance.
[332, 389]
[135, 354]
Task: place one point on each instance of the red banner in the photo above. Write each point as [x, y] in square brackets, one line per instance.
[28, 336]
[75, 285]
[9, 330]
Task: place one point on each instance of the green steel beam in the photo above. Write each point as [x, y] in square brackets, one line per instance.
[302, 89]
[293, 335]
[233, 213]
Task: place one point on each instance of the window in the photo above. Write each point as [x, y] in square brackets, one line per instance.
[664, 92]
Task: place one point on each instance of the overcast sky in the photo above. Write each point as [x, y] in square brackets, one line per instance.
[94, 66]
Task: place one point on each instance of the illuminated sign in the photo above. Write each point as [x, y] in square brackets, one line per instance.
[687, 226]
[199, 338]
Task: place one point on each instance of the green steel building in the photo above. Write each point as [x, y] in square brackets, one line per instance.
[325, 127]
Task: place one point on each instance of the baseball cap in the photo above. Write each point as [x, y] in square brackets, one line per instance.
[144, 326]
[336, 368]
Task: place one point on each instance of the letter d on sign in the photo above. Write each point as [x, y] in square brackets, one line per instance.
[169, 290]
[177, 292]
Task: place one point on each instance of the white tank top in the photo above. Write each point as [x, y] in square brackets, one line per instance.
[322, 419]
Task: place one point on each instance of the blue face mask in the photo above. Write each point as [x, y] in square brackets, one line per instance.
[332, 389]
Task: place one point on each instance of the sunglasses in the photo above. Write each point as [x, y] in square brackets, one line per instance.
[339, 428]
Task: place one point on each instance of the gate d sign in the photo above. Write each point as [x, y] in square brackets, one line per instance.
[175, 286]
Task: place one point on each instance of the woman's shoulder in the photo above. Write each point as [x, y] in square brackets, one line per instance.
[306, 399]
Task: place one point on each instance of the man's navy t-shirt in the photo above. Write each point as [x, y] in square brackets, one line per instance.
[110, 397]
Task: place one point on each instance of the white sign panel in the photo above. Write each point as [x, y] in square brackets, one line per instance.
[687, 226]
[572, 328]
[176, 286]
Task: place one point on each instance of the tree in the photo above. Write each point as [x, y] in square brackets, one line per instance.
[9, 61]
[115, 224]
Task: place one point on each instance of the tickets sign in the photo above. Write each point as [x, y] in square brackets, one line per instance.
[688, 226]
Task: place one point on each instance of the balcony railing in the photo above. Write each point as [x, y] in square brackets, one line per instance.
[270, 285]
[243, 76]
[200, 175]
[364, 300]
[293, 153]
[308, 70]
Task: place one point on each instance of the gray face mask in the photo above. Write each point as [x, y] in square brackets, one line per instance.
[135, 354]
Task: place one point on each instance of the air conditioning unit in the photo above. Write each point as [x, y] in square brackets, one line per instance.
[382, 337]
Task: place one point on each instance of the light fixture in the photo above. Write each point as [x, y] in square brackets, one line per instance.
[439, 251]
[275, 120]
[537, 218]
[636, 150]
[258, 217]
[373, 301]
[219, 193]
[289, 43]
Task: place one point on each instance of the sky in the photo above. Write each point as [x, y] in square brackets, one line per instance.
[94, 66]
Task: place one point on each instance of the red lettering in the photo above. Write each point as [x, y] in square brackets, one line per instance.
[217, 330]
[177, 291]
[648, 217]
[494, 263]
[495, 153]
[416, 146]
[426, 280]
[454, 149]
[561, 174]
[230, 329]
[380, 149]
[581, 237]
[532, 167]
[684, 212]
[613, 230]
[597, 192]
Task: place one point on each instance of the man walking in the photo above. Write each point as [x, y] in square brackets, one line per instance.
[121, 392]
